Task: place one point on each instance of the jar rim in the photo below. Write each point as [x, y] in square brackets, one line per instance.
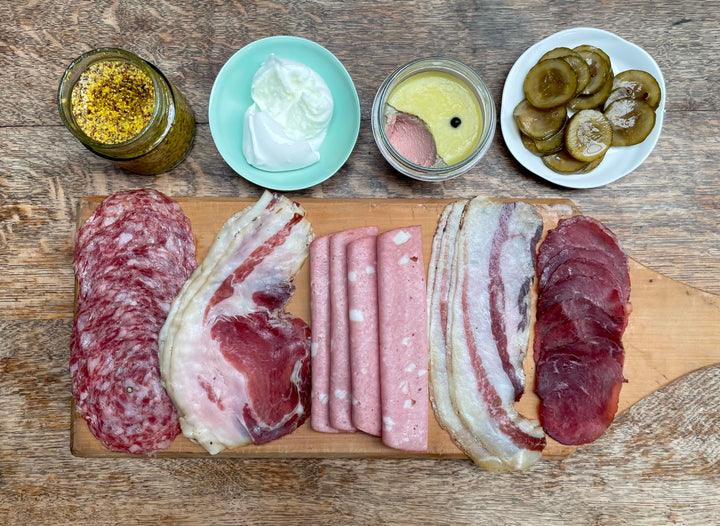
[478, 88]
[163, 97]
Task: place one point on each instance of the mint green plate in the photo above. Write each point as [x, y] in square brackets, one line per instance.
[230, 98]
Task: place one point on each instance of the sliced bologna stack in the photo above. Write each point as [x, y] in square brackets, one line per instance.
[132, 256]
[582, 311]
[369, 337]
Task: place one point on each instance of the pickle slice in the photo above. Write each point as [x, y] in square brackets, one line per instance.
[581, 69]
[594, 49]
[538, 123]
[599, 70]
[588, 135]
[596, 100]
[631, 120]
[552, 144]
[558, 52]
[562, 162]
[639, 84]
[550, 83]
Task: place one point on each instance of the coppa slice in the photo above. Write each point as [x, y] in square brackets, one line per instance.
[235, 363]
[403, 340]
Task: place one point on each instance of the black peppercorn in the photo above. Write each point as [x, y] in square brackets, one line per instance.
[455, 122]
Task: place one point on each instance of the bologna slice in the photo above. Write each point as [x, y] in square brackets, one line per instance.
[403, 339]
[320, 349]
[340, 402]
[363, 332]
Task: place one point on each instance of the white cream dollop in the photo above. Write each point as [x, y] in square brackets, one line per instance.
[288, 120]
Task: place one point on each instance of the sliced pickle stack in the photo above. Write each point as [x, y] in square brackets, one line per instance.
[575, 108]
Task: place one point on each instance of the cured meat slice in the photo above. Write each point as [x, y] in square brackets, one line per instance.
[132, 256]
[564, 402]
[320, 312]
[441, 259]
[340, 377]
[234, 362]
[488, 328]
[403, 338]
[582, 311]
[363, 332]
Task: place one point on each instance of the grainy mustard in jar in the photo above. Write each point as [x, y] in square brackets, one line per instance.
[124, 109]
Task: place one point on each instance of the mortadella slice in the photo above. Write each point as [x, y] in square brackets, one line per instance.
[320, 347]
[363, 331]
[340, 403]
[403, 339]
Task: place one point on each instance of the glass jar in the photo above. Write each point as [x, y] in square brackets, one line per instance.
[125, 110]
[466, 81]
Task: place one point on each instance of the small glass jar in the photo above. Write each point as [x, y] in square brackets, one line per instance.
[150, 143]
[477, 89]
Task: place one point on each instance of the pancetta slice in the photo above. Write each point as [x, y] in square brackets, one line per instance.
[441, 259]
[235, 364]
[488, 326]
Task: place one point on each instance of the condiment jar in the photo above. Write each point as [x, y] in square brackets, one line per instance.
[125, 110]
[469, 81]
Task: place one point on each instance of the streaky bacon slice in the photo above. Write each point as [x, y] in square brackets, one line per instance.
[235, 364]
[486, 324]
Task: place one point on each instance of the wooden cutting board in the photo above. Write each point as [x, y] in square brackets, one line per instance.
[674, 329]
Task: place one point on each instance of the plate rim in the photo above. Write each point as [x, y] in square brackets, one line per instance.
[260, 177]
[511, 134]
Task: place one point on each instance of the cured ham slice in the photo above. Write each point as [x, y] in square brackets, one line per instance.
[132, 256]
[320, 312]
[363, 332]
[235, 364]
[486, 332]
[582, 312]
[340, 376]
[402, 317]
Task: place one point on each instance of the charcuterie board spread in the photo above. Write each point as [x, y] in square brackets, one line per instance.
[673, 329]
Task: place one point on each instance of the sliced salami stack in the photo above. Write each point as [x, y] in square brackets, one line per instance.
[582, 311]
[132, 256]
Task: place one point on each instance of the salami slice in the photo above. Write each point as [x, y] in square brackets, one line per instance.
[132, 256]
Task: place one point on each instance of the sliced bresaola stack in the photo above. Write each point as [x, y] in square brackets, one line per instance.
[479, 325]
[132, 256]
[582, 312]
[234, 362]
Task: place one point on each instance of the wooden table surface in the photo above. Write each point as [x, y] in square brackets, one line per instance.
[657, 464]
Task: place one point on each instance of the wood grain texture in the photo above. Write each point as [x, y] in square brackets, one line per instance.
[657, 465]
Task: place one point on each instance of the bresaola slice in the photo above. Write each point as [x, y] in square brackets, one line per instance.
[486, 331]
[235, 364]
[582, 311]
